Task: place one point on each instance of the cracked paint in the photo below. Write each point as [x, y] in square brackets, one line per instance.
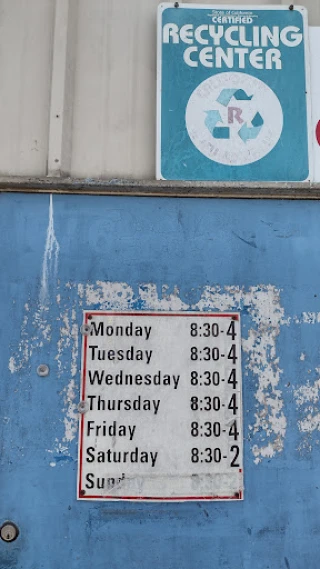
[262, 303]
[307, 397]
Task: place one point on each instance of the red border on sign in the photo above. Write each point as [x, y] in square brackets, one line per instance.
[81, 492]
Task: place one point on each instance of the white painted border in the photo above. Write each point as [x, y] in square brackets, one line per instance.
[161, 8]
[164, 6]
[306, 37]
[315, 97]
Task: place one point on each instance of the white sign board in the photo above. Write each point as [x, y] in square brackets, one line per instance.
[161, 407]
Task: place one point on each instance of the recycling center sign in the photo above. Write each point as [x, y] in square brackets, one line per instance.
[232, 93]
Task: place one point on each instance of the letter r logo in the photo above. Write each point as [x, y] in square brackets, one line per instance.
[234, 113]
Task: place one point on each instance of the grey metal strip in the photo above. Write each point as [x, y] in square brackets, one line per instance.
[188, 189]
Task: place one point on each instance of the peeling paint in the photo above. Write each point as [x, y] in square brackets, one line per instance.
[310, 317]
[71, 412]
[307, 397]
[75, 343]
[17, 362]
[262, 303]
[106, 294]
[167, 302]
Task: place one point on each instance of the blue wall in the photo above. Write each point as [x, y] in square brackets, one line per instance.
[259, 257]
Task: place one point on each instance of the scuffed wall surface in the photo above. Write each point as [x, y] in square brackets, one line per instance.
[64, 254]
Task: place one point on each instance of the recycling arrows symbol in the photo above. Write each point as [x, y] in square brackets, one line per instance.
[249, 133]
[227, 94]
[234, 114]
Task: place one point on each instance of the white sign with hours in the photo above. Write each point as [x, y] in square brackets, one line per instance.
[160, 410]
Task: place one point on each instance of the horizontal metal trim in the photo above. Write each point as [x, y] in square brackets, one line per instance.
[165, 188]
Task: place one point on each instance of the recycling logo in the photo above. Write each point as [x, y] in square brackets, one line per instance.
[234, 118]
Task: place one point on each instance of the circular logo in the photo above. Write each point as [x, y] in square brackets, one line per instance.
[234, 118]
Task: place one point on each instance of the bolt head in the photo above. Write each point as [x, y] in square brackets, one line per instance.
[43, 370]
[83, 407]
[85, 329]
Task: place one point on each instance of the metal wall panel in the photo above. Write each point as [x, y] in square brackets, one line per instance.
[25, 70]
[95, 252]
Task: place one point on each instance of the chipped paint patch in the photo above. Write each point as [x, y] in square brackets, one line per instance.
[119, 296]
[270, 421]
[166, 302]
[310, 318]
[75, 343]
[307, 397]
[18, 361]
[70, 411]
[263, 305]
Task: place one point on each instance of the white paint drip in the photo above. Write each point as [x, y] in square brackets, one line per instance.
[50, 259]
[41, 328]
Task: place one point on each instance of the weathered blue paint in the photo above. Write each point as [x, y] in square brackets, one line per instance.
[268, 253]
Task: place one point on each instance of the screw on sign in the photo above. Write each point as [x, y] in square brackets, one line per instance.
[43, 370]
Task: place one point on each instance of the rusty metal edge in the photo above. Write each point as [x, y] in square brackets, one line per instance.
[153, 188]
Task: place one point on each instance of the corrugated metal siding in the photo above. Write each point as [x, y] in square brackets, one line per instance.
[110, 87]
[115, 89]
[25, 71]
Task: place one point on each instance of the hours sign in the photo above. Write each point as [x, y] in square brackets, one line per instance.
[232, 93]
[160, 410]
